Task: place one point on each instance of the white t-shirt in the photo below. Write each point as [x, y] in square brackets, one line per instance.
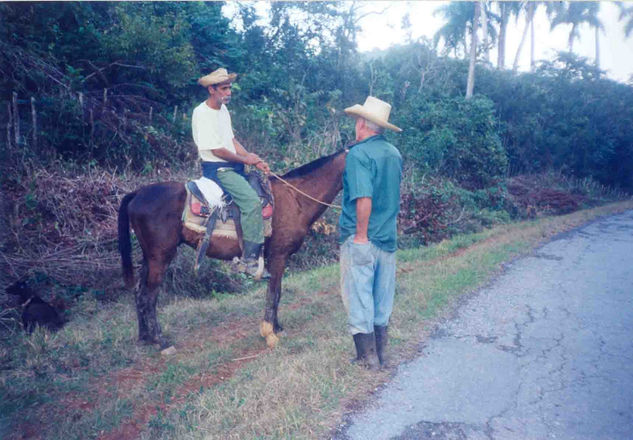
[212, 129]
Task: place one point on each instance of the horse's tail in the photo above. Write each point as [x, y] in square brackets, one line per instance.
[125, 245]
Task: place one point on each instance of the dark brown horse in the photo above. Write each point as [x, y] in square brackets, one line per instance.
[155, 211]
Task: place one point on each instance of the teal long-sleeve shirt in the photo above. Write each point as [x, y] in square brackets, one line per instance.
[373, 168]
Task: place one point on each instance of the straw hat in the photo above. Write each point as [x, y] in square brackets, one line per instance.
[374, 110]
[216, 77]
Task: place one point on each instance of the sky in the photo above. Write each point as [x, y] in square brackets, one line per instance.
[380, 31]
[616, 52]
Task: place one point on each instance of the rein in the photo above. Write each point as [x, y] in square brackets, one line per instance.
[302, 193]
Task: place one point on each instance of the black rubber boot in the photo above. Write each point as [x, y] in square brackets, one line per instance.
[249, 263]
[251, 250]
[366, 351]
[382, 338]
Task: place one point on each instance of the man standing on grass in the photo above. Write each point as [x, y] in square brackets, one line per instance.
[223, 159]
[371, 201]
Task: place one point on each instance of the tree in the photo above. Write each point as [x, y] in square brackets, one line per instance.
[626, 13]
[458, 16]
[575, 14]
[455, 138]
[462, 19]
[470, 84]
[484, 26]
[506, 9]
[530, 9]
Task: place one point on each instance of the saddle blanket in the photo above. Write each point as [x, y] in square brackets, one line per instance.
[196, 218]
[211, 191]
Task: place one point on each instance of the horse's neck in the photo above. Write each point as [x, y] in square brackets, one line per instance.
[326, 182]
[322, 184]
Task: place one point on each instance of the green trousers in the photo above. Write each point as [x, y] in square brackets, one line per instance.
[248, 201]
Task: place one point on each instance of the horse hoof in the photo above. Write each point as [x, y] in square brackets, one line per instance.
[168, 351]
[265, 329]
[163, 343]
[272, 340]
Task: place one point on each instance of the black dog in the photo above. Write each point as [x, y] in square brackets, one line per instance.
[35, 311]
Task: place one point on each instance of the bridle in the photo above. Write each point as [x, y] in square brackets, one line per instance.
[285, 182]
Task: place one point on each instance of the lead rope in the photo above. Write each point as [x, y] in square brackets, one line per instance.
[302, 193]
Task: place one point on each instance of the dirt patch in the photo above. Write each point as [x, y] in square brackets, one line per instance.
[404, 268]
[132, 428]
[328, 292]
[530, 195]
[299, 304]
[229, 332]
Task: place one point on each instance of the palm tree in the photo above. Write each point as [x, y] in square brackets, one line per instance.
[489, 20]
[577, 13]
[530, 9]
[484, 26]
[462, 20]
[458, 16]
[626, 13]
[506, 9]
[470, 84]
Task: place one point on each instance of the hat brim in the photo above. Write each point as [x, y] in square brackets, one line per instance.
[359, 110]
[208, 80]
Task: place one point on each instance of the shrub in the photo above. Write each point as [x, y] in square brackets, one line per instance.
[457, 139]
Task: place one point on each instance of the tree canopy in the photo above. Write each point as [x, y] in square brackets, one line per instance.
[115, 83]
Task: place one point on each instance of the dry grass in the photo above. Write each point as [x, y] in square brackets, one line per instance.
[62, 222]
[92, 380]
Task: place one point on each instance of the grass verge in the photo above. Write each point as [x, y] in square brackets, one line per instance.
[92, 380]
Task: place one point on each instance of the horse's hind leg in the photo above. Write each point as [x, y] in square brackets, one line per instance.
[142, 307]
[152, 275]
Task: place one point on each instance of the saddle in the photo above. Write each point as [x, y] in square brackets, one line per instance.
[211, 211]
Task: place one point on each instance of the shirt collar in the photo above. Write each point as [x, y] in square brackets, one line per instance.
[371, 138]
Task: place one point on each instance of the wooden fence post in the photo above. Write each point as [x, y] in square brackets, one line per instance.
[16, 119]
[105, 96]
[92, 127]
[9, 124]
[175, 112]
[151, 112]
[34, 120]
[81, 105]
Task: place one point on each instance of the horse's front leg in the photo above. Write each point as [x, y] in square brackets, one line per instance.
[270, 325]
[276, 324]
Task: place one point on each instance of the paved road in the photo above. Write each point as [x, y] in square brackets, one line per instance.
[545, 352]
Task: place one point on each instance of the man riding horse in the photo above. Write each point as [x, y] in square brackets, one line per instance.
[223, 158]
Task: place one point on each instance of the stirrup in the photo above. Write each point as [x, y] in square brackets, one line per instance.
[251, 267]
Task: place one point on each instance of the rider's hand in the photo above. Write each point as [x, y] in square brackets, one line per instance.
[251, 159]
[263, 166]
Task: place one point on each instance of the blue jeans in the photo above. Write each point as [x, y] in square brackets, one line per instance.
[368, 284]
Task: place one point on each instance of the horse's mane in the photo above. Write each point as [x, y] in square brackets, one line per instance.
[311, 166]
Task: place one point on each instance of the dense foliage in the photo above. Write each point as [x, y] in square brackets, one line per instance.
[115, 83]
[96, 99]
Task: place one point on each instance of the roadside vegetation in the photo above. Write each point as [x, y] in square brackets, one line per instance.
[92, 380]
[95, 101]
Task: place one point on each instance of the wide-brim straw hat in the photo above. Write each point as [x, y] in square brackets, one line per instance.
[374, 110]
[218, 76]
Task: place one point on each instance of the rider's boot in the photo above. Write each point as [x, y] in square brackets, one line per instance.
[249, 263]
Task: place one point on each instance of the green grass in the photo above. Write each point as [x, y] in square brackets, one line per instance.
[223, 382]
